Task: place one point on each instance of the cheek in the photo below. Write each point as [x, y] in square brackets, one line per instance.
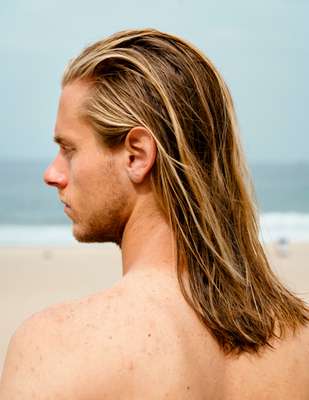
[79, 181]
[79, 176]
[88, 179]
[82, 169]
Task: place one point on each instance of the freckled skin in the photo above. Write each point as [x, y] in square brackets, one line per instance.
[151, 347]
[139, 339]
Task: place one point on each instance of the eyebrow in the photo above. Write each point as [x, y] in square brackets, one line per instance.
[62, 140]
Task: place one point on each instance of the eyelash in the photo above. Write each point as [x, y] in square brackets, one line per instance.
[66, 151]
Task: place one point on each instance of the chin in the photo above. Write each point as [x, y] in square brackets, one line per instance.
[91, 235]
[83, 235]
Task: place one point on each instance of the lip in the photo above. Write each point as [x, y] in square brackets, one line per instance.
[68, 211]
[65, 204]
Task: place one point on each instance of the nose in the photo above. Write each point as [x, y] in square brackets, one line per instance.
[54, 176]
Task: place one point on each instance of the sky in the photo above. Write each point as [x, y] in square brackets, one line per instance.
[260, 47]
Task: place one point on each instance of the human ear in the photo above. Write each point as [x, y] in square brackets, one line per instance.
[141, 151]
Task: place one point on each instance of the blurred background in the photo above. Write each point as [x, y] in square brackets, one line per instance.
[260, 48]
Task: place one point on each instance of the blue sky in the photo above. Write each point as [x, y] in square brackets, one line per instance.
[261, 49]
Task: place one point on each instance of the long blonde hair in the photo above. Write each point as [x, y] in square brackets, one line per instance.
[159, 81]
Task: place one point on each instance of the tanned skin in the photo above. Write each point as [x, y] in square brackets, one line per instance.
[139, 339]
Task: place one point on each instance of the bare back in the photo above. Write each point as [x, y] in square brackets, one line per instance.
[140, 340]
[187, 363]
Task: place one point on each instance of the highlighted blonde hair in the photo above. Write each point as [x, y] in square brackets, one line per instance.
[159, 81]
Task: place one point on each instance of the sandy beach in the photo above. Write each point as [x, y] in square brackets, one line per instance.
[33, 278]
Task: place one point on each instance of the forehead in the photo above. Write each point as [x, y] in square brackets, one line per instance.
[73, 95]
[71, 101]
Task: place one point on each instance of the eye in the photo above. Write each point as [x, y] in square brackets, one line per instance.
[66, 151]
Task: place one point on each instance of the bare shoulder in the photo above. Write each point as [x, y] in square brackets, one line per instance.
[282, 371]
[58, 352]
[81, 348]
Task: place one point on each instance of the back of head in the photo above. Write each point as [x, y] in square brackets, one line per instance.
[158, 81]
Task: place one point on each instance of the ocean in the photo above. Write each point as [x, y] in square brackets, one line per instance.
[31, 214]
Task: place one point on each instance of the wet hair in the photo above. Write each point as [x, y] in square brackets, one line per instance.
[200, 178]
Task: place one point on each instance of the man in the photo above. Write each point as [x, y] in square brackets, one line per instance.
[150, 159]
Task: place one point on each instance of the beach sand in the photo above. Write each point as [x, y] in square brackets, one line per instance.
[34, 278]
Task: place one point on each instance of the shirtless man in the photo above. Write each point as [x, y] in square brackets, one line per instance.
[150, 159]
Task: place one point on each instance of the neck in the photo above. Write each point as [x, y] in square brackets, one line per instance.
[148, 241]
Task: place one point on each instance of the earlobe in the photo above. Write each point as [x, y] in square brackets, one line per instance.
[141, 150]
[134, 177]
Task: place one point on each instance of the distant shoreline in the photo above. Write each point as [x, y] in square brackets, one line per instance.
[275, 226]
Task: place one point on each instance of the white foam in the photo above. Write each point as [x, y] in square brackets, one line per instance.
[292, 227]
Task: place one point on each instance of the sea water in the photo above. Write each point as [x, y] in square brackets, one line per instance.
[31, 213]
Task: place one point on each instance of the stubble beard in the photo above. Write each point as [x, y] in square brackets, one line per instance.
[97, 231]
[102, 227]
[107, 215]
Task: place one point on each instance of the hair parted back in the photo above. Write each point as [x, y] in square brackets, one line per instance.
[159, 81]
